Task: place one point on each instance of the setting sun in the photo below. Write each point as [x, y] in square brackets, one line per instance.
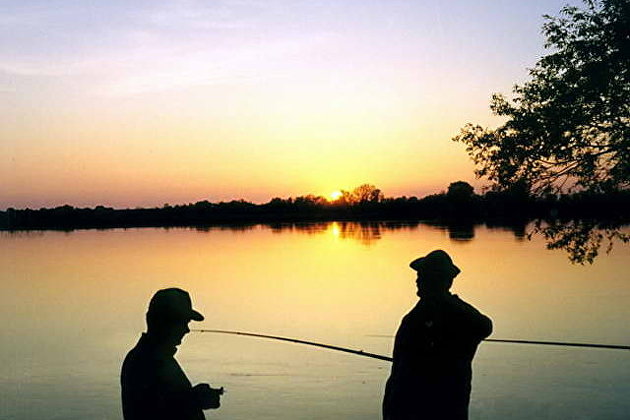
[335, 195]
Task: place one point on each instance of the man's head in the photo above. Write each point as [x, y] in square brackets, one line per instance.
[436, 272]
[169, 313]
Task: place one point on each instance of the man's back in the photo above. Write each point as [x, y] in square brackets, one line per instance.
[433, 351]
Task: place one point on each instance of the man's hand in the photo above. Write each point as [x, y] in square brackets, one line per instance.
[207, 396]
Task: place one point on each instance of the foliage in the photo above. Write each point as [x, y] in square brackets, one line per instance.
[581, 239]
[363, 194]
[459, 208]
[460, 191]
[569, 126]
[367, 193]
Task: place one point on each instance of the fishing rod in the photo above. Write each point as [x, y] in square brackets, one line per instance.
[543, 343]
[295, 340]
[560, 343]
[389, 359]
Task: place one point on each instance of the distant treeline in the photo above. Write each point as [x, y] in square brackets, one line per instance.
[459, 203]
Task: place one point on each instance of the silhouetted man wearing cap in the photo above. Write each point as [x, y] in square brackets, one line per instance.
[154, 386]
[434, 348]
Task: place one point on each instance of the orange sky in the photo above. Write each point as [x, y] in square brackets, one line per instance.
[184, 101]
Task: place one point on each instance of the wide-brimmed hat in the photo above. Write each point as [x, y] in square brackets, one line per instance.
[436, 262]
[173, 303]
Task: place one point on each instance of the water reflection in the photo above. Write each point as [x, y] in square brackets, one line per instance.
[231, 227]
[518, 229]
[457, 231]
[581, 240]
[308, 228]
[73, 305]
[368, 232]
[21, 233]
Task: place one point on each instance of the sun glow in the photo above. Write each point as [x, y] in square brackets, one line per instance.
[335, 195]
[334, 228]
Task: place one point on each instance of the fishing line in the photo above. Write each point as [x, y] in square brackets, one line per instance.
[389, 359]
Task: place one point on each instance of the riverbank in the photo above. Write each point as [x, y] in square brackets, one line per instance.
[492, 208]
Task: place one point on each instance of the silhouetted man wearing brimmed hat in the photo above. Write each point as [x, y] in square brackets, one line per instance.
[434, 348]
[154, 386]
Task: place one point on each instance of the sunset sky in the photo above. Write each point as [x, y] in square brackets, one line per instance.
[140, 103]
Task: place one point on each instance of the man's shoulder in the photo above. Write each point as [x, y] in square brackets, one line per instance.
[134, 361]
[464, 306]
[418, 312]
[144, 367]
[141, 359]
[456, 298]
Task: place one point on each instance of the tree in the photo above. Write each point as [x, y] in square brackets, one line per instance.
[346, 199]
[367, 193]
[568, 127]
[460, 191]
[364, 193]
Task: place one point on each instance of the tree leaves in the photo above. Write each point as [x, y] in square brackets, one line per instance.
[568, 127]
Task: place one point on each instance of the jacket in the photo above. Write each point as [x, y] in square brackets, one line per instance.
[154, 386]
[433, 351]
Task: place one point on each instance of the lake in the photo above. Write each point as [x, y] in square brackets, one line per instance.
[73, 304]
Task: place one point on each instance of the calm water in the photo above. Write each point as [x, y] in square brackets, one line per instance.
[73, 304]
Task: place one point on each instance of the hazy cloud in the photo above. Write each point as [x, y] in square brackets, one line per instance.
[256, 61]
[154, 45]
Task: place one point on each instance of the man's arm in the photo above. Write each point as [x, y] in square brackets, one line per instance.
[207, 396]
[479, 325]
[401, 347]
[176, 395]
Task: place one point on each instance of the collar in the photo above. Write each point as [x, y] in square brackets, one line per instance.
[161, 349]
